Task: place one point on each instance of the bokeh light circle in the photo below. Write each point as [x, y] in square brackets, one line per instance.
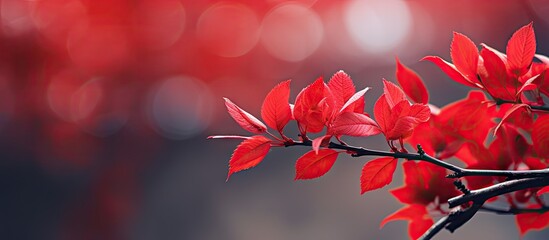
[378, 26]
[228, 29]
[292, 32]
[180, 107]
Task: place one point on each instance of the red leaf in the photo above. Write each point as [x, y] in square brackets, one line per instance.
[419, 227]
[496, 81]
[540, 136]
[382, 113]
[249, 153]
[353, 100]
[342, 88]
[451, 71]
[312, 165]
[411, 84]
[377, 173]
[247, 121]
[354, 124]
[465, 56]
[530, 84]
[521, 49]
[471, 117]
[393, 93]
[515, 108]
[400, 120]
[423, 183]
[320, 141]
[532, 221]
[404, 127]
[275, 110]
[417, 214]
[409, 212]
[313, 107]
[420, 111]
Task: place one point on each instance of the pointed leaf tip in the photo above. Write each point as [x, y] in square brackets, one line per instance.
[521, 49]
[276, 111]
[465, 56]
[246, 120]
[341, 87]
[358, 96]
[450, 70]
[411, 83]
[393, 93]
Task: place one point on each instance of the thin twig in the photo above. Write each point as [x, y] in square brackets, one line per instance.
[435, 228]
[534, 107]
[421, 156]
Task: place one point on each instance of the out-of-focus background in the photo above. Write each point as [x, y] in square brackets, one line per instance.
[105, 106]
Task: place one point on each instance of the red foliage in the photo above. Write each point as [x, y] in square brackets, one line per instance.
[394, 114]
[377, 173]
[275, 110]
[416, 214]
[315, 164]
[532, 221]
[423, 183]
[249, 153]
[488, 130]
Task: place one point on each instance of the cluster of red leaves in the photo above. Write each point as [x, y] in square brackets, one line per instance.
[337, 108]
[493, 133]
[508, 78]
[495, 127]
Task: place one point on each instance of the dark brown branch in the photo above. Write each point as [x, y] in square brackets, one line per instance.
[451, 222]
[534, 107]
[435, 228]
[422, 156]
[473, 200]
[483, 194]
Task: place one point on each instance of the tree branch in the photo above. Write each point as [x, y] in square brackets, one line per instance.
[422, 156]
[435, 228]
[534, 107]
[483, 194]
[517, 180]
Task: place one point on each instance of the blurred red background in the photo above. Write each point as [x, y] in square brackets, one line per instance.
[105, 106]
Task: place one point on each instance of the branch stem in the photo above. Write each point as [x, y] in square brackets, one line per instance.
[435, 228]
[421, 156]
[533, 107]
[481, 195]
